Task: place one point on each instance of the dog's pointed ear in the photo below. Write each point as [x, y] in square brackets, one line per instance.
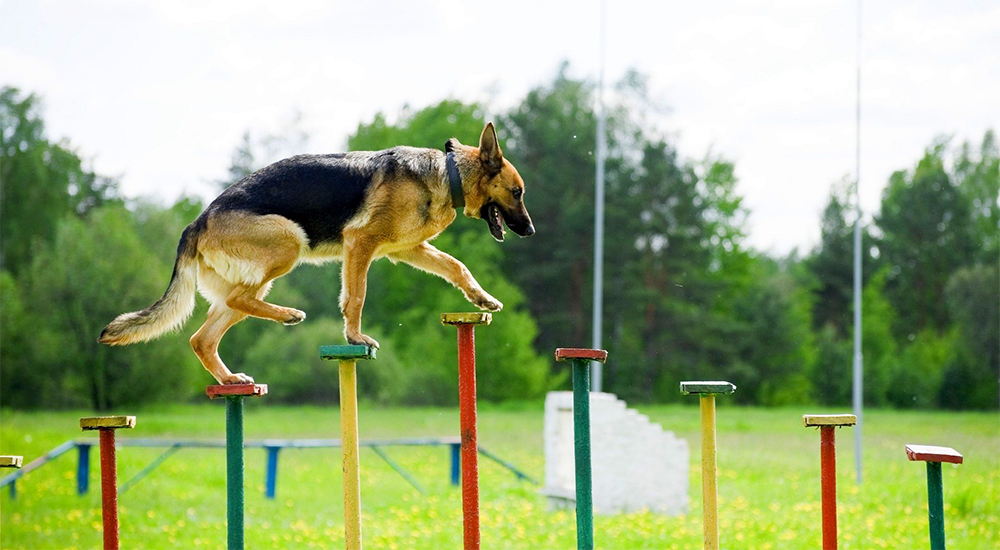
[489, 150]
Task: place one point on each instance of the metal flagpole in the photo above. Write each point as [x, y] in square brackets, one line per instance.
[596, 367]
[858, 358]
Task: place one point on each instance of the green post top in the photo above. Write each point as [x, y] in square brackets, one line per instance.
[340, 353]
[232, 390]
[8, 461]
[931, 453]
[563, 354]
[815, 420]
[98, 422]
[477, 318]
[707, 387]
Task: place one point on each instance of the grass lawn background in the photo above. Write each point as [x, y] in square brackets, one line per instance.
[769, 492]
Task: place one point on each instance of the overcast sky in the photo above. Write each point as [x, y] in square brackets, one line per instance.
[160, 92]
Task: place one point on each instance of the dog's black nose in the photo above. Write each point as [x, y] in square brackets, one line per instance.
[529, 231]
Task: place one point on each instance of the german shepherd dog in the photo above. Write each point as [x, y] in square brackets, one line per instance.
[354, 207]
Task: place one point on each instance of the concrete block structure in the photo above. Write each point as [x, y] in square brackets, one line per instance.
[636, 463]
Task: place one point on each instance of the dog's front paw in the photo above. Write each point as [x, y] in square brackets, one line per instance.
[361, 340]
[487, 302]
[294, 317]
[237, 378]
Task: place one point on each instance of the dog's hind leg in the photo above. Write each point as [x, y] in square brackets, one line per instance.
[247, 299]
[427, 258]
[358, 254]
[205, 343]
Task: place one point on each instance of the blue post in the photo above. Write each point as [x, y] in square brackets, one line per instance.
[82, 468]
[456, 462]
[272, 471]
[13, 489]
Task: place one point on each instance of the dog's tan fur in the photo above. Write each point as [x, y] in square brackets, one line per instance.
[237, 255]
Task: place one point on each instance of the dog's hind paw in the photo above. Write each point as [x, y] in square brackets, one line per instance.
[362, 340]
[237, 378]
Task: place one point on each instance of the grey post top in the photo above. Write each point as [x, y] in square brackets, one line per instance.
[707, 387]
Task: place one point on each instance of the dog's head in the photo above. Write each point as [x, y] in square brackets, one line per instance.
[495, 191]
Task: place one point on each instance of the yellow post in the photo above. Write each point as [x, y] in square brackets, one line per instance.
[349, 444]
[709, 491]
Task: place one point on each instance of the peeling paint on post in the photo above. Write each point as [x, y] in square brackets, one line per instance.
[235, 506]
[828, 468]
[934, 456]
[581, 359]
[347, 356]
[465, 323]
[707, 390]
[106, 426]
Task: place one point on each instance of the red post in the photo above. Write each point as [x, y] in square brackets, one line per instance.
[470, 454]
[828, 473]
[106, 426]
[466, 323]
[109, 488]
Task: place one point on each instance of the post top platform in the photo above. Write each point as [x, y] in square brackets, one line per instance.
[349, 351]
[809, 420]
[718, 387]
[931, 453]
[9, 461]
[98, 422]
[563, 354]
[477, 318]
[225, 390]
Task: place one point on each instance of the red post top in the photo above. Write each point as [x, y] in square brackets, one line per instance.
[224, 390]
[563, 354]
[930, 453]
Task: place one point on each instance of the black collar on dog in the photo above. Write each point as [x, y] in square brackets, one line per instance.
[455, 182]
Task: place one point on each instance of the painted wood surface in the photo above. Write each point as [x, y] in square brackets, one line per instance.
[931, 453]
[809, 420]
[564, 354]
[477, 318]
[702, 386]
[246, 390]
[98, 422]
[339, 352]
[351, 464]
[469, 433]
[709, 469]
[10, 461]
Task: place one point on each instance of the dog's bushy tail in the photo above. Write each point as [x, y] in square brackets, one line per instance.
[172, 309]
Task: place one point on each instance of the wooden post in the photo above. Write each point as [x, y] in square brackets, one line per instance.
[828, 469]
[347, 357]
[235, 508]
[934, 456]
[466, 323]
[581, 359]
[106, 426]
[707, 390]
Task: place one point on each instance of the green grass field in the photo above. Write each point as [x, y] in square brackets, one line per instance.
[768, 483]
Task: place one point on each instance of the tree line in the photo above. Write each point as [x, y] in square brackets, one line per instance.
[685, 296]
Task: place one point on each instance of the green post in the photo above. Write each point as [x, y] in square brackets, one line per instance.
[935, 505]
[234, 394]
[234, 470]
[581, 359]
[581, 435]
[934, 456]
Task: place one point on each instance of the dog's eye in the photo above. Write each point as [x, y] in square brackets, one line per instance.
[517, 192]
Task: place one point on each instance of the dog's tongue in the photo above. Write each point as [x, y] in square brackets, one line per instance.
[495, 222]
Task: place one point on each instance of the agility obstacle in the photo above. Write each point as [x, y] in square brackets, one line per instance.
[709, 468]
[466, 323]
[106, 426]
[348, 356]
[828, 468]
[934, 456]
[234, 394]
[581, 359]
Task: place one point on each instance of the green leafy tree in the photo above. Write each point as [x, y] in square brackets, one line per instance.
[971, 379]
[927, 233]
[75, 286]
[41, 182]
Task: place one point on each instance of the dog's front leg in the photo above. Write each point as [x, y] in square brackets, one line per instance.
[428, 258]
[358, 253]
